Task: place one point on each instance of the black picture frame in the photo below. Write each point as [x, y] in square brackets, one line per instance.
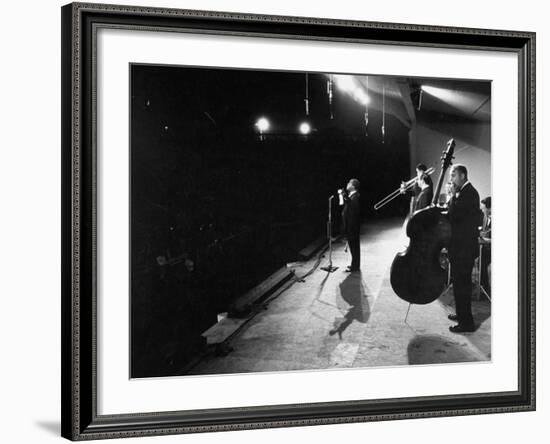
[80, 420]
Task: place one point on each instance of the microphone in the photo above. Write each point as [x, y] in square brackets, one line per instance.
[337, 194]
[340, 194]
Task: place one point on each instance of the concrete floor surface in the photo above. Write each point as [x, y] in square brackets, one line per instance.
[343, 320]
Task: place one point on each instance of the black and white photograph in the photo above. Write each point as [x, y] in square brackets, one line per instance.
[276, 222]
[293, 221]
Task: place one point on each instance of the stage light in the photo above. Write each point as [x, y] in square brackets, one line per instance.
[445, 94]
[361, 96]
[262, 124]
[465, 101]
[305, 128]
[350, 86]
[345, 83]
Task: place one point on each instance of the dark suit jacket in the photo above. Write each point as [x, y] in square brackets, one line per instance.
[351, 216]
[424, 198]
[464, 215]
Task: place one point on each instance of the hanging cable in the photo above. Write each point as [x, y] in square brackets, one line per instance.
[367, 109]
[306, 100]
[383, 111]
[330, 86]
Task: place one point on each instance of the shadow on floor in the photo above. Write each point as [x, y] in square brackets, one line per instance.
[353, 293]
[435, 349]
[481, 309]
[320, 291]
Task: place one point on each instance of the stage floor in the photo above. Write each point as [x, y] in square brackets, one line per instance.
[342, 320]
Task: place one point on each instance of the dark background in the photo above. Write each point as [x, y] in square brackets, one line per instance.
[227, 209]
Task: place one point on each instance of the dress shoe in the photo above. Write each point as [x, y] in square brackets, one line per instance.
[462, 328]
[453, 317]
[350, 270]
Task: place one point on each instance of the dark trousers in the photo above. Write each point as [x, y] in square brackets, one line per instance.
[354, 249]
[461, 275]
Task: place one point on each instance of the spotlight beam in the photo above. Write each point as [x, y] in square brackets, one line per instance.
[351, 86]
[463, 101]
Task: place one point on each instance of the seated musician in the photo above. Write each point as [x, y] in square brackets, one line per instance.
[485, 241]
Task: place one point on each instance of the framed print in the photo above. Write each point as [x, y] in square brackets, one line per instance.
[279, 221]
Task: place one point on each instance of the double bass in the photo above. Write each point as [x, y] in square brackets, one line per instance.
[417, 275]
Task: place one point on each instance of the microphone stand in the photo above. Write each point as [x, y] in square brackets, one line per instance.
[329, 268]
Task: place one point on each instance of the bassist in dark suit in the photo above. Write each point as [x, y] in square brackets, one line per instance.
[464, 214]
[351, 219]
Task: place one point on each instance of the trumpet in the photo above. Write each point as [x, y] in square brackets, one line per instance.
[406, 186]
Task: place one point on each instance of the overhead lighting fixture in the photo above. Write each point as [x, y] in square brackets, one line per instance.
[305, 128]
[262, 124]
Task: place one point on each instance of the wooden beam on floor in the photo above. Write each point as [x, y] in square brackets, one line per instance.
[240, 311]
[308, 252]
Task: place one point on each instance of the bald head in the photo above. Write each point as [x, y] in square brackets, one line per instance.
[459, 176]
[353, 185]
